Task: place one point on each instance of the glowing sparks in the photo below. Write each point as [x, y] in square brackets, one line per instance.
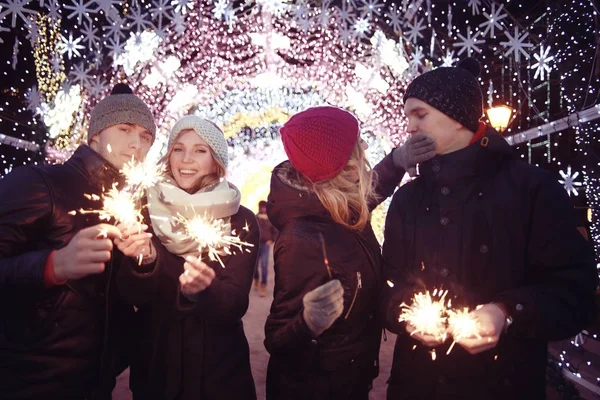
[463, 325]
[121, 206]
[213, 236]
[427, 314]
[142, 175]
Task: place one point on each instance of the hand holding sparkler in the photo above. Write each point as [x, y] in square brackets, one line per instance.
[86, 253]
[490, 322]
[197, 276]
[323, 305]
[426, 317]
[135, 241]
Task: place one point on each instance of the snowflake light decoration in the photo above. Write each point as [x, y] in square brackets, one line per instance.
[493, 21]
[542, 66]
[569, 181]
[516, 45]
[470, 43]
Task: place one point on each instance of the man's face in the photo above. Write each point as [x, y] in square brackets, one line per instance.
[448, 134]
[119, 143]
[262, 209]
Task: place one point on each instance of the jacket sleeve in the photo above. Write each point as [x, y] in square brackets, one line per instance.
[226, 299]
[139, 284]
[558, 300]
[25, 217]
[299, 268]
[397, 288]
[388, 177]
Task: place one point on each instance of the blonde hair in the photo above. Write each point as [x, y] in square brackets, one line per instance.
[203, 181]
[348, 194]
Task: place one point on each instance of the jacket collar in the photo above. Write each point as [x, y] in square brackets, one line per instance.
[288, 199]
[481, 156]
[101, 173]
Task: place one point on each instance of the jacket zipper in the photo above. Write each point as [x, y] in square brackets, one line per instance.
[358, 287]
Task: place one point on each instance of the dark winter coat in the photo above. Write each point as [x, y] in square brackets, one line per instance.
[56, 343]
[267, 230]
[342, 361]
[193, 350]
[489, 228]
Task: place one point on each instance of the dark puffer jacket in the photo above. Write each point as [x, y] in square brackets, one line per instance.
[342, 361]
[487, 227]
[56, 343]
[193, 350]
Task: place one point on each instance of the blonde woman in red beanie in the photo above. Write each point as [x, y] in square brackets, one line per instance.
[323, 332]
[190, 340]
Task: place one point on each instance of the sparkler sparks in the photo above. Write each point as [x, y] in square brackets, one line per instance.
[120, 205]
[213, 236]
[427, 314]
[142, 175]
[462, 324]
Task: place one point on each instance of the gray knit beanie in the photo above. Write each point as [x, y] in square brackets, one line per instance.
[207, 130]
[453, 91]
[122, 106]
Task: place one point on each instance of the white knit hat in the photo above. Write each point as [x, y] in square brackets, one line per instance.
[207, 130]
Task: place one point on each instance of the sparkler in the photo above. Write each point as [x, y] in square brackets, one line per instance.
[140, 176]
[213, 236]
[118, 205]
[124, 205]
[325, 259]
[462, 324]
[427, 314]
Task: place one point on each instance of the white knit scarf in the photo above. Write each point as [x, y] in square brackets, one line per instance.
[166, 202]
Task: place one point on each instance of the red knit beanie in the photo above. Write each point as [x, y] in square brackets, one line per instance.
[319, 141]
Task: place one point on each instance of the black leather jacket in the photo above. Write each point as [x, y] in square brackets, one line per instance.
[55, 342]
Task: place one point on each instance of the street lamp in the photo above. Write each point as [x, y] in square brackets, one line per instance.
[499, 117]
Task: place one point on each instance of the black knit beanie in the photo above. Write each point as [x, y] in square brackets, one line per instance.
[453, 91]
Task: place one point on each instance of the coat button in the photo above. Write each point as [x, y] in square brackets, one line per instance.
[483, 248]
[313, 341]
[519, 307]
[445, 191]
[444, 221]
[436, 168]
[444, 272]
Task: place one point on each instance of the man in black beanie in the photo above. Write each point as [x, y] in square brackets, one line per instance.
[499, 235]
[62, 324]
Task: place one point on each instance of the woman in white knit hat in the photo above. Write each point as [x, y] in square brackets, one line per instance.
[189, 339]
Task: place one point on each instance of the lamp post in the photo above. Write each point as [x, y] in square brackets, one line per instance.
[499, 117]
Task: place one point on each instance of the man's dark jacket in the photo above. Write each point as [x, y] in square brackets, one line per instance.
[56, 343]
[488, 228]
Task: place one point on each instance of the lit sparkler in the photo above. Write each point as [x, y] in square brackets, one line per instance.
[463, 325]
[427, 314]
[118, 205]
[142, 175]
[325, 259]
[213, 236]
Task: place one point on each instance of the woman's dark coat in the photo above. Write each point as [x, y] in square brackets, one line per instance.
[193, 350]
[342, 361]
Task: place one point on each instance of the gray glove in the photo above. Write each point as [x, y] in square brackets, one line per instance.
[323, 305]
[417, 149]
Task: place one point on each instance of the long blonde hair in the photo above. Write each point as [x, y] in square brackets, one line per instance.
[347, 195]
[203, 181]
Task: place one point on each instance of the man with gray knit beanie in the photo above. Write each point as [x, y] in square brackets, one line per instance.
[63, 327]
[499, 235]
